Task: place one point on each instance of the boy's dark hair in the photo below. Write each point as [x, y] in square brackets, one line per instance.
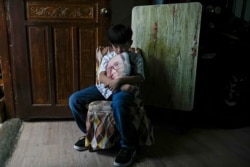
[119, 34]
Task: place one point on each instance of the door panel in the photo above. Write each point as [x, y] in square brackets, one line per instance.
[52, 46]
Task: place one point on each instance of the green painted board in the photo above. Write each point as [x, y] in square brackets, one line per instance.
[168, 35]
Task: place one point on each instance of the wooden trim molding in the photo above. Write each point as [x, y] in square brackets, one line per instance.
[51, 10]
[5, 63]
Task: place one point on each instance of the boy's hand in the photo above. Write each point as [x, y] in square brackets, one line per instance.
[114, 85]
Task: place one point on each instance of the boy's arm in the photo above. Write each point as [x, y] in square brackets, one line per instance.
[104, 78]
[132, 79]
[115, 84]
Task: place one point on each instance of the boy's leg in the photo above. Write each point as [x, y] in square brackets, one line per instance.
[121, 104]
[78, 103]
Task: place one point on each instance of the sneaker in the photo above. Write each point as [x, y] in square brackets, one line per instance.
[125, 157]
[80, 144]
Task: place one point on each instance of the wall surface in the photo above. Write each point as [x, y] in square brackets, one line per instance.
[122, 10]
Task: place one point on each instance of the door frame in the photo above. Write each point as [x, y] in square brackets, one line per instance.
[5, 64]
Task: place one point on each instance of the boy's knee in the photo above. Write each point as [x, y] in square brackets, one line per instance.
[71, 98]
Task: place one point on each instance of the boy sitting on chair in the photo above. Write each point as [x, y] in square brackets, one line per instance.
[115, 88]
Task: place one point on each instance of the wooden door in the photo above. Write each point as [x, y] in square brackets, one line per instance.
[169, 37]
[52, 52]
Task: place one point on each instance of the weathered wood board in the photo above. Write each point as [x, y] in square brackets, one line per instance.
[169, 38]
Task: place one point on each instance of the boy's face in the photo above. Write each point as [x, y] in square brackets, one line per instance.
[119, 48]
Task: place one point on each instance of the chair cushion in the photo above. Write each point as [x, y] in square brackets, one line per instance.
[102, 130]
[100, 105]
[101, 51]
[119, 66]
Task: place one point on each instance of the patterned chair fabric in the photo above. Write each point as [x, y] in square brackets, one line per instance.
[100, 126]
[101, 129]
